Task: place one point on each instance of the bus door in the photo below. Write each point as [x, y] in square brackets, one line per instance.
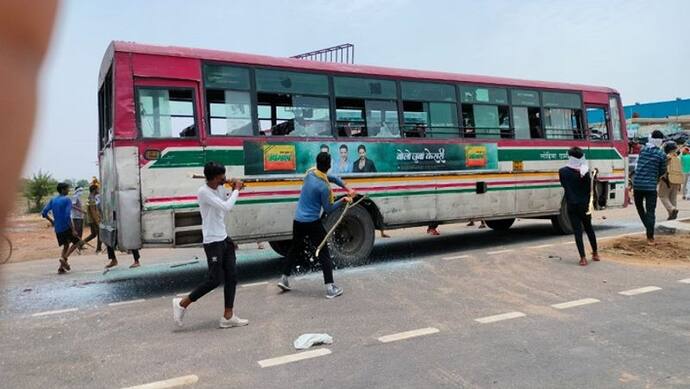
[168, 115]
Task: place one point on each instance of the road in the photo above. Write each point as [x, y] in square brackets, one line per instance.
[469, 309]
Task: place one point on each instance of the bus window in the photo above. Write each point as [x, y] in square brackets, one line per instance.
[294, 104]
[563, 115]
[228, 100]
[485, 113]
[597, 124]
[166, 113]
[105, 110]
[429, 110]
[527, 109]
[615, 118]
[366, 107]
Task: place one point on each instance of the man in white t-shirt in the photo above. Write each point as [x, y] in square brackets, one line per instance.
[214, 203]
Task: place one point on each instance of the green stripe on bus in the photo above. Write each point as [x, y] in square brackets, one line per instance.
[373, 195]
[197, 158]
[553, 154]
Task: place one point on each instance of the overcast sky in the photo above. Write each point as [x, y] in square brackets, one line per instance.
[641, 48]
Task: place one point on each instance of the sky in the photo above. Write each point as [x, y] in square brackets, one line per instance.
[640, 48]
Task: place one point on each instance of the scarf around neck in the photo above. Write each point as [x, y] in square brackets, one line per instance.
[579, 164]
[324, 177]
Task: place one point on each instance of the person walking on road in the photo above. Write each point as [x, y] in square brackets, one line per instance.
[307, 230]
[685, 165]
[93, 217]
[577, 183]
[651, 165]
[113, 258]
[77, 212]
[671, 182]
[214, 203]
[61, 207]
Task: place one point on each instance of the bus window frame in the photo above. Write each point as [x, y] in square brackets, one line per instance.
[401, 109]
[195, 114]
[252, 99]
[461, 122]
[607, 120]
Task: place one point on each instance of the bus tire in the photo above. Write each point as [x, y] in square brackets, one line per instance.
[500, 225]
[561, 222]
[352, 241]
[282, 247]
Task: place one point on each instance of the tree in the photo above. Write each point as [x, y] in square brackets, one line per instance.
[83, 183]
[40, 186]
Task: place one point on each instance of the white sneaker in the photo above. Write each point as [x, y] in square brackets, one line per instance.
[234, 321]
[332, 291]
[284, 283]
[178, 311]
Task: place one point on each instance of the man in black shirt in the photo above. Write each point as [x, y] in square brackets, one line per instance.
[576, 181]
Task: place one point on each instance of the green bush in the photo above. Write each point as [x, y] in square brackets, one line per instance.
[40, 186]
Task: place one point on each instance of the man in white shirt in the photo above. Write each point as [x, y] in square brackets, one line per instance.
[214, 203]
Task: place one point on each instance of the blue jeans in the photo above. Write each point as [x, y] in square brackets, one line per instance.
[646, 211]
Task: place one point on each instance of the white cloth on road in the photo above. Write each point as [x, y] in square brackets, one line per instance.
[307, 340]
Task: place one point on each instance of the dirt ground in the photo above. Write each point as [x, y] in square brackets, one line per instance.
[669, 250]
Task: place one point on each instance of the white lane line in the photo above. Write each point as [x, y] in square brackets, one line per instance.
[685, 281]
[254, 284]
[126, 302]
[503, 316]
[171, 383]
[58, 311]
[633, 292]
[575, 303]
[500, 252]
[408, 334]
[455, 257]
[543, 246]
[294, 357]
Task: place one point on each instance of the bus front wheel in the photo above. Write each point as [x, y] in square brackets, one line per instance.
[353, 239]
[282, 247]
[561, 222]
[500, 225]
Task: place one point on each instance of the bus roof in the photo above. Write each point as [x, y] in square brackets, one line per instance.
[361, 70]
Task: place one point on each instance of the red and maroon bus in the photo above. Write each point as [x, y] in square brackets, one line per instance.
[424, 147]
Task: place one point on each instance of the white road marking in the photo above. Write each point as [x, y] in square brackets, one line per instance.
[685, 281]
[633, 292]
[319, 352]
[543, 246]
[500, 252]
[408, 334]
[126, 302]
[58, 311]
[455, 257]
[254, 284]
[503, 316]
[171, 383]
[575, 303]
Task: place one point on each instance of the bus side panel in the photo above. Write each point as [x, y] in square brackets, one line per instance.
[108, 193]
[128, 214]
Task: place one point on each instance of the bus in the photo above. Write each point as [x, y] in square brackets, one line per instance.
[422, 146]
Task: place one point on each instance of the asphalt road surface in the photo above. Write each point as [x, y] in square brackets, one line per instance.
[469, 309]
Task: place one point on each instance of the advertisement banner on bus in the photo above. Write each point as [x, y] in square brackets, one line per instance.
[356, 157]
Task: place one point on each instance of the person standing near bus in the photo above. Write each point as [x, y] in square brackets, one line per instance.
[61, 207]
[214, 203]
[307, 229]
[577, 183]
[685, 165]
[93, 217]
[651, 165]
[671, 182]
[77, 212]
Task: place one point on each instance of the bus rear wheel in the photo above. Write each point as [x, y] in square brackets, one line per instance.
[561, 222]
[282, 247]
[500, 225]
[353, 239]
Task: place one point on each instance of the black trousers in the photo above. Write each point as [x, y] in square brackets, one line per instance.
[111, 253]
[306, 238]
[648, 213]
[221, 266]
[579, 219]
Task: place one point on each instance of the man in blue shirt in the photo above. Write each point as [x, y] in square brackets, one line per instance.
[61, 208]
[651, 165]
[307, 230]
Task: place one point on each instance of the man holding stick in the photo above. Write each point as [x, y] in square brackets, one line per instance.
[307, 230]
[214, 203]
